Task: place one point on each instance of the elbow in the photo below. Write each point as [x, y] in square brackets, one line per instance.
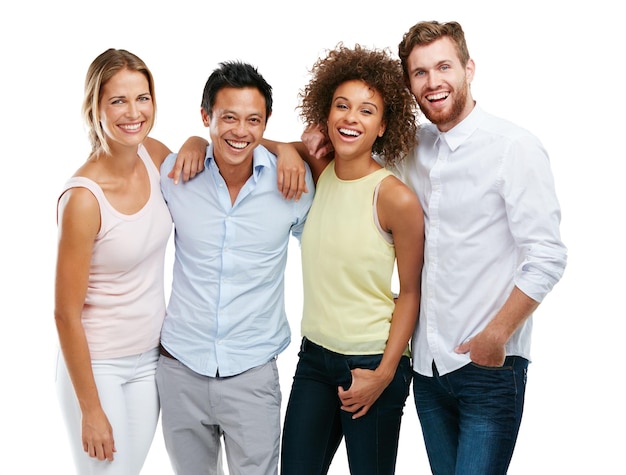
[64, 319]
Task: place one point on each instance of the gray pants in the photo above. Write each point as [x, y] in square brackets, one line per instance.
[197, 410]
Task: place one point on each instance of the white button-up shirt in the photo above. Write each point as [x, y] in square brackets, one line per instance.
[492, 222]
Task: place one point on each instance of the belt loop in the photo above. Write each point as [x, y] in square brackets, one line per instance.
[303, 345]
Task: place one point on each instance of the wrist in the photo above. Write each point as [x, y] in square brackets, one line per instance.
[385, 374]
[497, 334]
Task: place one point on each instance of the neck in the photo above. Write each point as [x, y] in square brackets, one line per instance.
[235, 174]
[469, 107]
[354, 169]
[121, 160]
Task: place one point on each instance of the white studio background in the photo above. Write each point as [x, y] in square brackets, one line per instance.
[557, 70]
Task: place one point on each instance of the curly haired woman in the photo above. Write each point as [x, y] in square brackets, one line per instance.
[353, 372]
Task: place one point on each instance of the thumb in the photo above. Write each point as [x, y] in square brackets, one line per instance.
[463, 347]
[341, 393]
[174, 174]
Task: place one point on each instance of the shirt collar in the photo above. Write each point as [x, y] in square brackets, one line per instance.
[260, 159]
[461, 132]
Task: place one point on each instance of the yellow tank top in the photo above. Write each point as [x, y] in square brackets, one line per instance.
[347, 267]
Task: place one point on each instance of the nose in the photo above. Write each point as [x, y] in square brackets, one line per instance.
[132, 110]
[351, 114]
[240, 129]
[433, 80]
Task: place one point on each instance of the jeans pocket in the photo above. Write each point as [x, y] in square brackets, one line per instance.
[364, 361]
[405, 370]
[490, 368]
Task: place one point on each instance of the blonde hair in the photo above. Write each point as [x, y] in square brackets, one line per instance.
[103, 68]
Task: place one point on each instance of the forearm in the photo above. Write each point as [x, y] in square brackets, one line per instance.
[195, 141]
[515, 311]
[77, 358]
[278, 148]
[402, 325]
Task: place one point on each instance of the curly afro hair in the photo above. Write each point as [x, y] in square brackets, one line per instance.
[380, 71]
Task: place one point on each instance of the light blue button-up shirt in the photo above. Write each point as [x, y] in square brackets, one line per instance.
[226, 312]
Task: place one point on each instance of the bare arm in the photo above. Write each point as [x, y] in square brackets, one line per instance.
[79, 221]
[314, 149]
[291, 169]
[190, 159]
[401, 214]
[487, 348]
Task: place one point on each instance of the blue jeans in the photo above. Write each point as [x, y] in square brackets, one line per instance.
[470, 417]
[315, 424]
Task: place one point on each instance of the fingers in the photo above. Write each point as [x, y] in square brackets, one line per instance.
[190, 169]
[175, 172]
[182, 168]
[282, 187]
[186, 168]
[356, 409]
[361, 412]
[323, 151]
[100, 450]
[343, 396]
[109, 450]
[316, 141]
[482, 351]
[349, 403]
[292, 183]
[195, 167]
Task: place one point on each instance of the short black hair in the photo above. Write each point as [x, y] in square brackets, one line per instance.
[238, 75]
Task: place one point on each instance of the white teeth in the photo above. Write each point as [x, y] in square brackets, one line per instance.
[239, 145]
[131, 127]
[353, 133]
[434, 97]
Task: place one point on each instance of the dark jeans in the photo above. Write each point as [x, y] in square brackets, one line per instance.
[470, 418]
[315, 424]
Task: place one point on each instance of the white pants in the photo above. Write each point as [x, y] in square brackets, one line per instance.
[128, 394]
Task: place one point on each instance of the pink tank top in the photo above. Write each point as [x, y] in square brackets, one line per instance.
[125, 303]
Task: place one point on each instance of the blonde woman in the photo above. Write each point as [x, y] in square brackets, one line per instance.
[109, 299]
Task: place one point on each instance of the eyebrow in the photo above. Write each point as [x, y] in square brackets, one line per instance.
[233, 112]
[147, 93]
[348, 100]
[437, 64]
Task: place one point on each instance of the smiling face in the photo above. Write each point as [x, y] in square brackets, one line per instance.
[126, 108]
[440, 83]
[355, 119]
[236, 124]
